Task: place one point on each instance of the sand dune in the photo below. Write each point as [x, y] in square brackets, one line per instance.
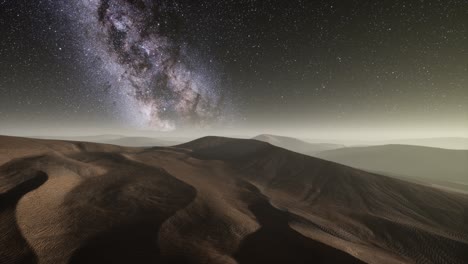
[214, 200]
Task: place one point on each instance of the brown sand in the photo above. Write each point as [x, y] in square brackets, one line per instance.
[214, 200]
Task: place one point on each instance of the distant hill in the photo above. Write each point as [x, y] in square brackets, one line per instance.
[447, 143]
[125, 141]
[297, 145]
[94, 139]
[141, 142]
[436, 165]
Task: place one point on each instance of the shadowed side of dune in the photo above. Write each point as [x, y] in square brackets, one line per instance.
[276, 242]
[127, 207]
[14, 248]
[134, 242]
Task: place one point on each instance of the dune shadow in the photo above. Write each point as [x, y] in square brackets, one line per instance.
[136, 242]
[10, 198]
[13, 246]
[276, 242]
[131, 213]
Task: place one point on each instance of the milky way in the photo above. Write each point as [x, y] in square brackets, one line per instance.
[162, 82]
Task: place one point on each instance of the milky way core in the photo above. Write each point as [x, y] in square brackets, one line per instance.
[165, 84]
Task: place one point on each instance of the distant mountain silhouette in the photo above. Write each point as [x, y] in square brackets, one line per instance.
[446, 167]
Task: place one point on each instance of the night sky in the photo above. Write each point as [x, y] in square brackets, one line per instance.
[305, 67]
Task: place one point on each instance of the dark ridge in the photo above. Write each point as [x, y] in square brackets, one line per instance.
[220, 148]
[276, 242]
[158, 148]
[15, 248]
[204, 142]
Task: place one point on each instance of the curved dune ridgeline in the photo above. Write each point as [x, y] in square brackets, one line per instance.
[14, 248]
[214, 200]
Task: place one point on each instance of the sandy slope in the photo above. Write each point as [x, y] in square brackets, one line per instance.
[214, 200]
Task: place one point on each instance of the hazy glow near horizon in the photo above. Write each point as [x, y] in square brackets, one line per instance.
[308, 69]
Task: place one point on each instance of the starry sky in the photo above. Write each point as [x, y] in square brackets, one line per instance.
[302, 67]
